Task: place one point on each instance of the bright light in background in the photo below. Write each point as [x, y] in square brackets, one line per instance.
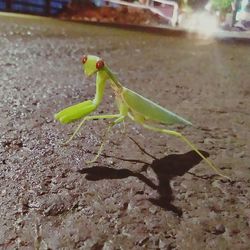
[202, 22]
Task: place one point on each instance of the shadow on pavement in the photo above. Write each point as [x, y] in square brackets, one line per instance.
[165, 168]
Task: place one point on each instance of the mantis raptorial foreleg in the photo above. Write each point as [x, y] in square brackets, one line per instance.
[183, 138]
[76, 112]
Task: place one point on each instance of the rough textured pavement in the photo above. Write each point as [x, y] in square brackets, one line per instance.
[147, 190]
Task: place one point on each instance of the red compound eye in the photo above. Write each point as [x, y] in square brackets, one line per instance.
[100, 64]
[84, 59]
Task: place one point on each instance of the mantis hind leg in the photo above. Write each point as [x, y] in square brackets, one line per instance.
[183, 138]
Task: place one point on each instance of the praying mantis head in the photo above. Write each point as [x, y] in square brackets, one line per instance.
[92, 64]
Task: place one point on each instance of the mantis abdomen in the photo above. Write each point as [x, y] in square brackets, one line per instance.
[150, 110]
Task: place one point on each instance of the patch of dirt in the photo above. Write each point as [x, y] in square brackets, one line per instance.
[147, 190]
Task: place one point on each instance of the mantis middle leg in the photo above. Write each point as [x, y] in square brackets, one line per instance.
[120, 118]
[88, 118]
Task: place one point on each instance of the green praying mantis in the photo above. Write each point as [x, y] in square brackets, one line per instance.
[130, 104]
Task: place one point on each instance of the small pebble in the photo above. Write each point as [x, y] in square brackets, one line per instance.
[219, 229]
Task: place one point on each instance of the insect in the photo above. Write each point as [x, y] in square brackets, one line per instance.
[130, 104]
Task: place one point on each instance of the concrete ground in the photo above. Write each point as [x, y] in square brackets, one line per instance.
[147, 190]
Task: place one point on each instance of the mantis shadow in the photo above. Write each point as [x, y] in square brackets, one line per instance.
[165, 169]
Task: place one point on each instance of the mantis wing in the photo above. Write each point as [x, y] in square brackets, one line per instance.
[150, 110]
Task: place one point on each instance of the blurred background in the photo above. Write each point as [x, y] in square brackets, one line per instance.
[146, 190]
[200, 15]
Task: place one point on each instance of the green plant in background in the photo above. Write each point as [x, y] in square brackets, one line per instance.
[192, 4]
[222, 5]
[130, 104]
